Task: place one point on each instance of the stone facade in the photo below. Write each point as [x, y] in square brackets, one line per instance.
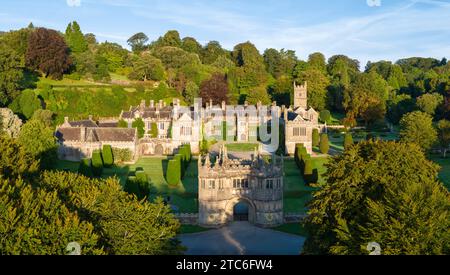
[299, 121]
[178, 125]
[79, 139]
[226, 182]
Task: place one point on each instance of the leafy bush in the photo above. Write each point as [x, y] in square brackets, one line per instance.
[97, 163]
[107, 154]
[122, 155]
[140, 126]
[173, 175]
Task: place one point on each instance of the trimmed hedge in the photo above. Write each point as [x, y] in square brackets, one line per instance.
[138, 184]
[107, 154]
[324, 144]
[173, 175]
[97, 163]
[348, 141]
[315, 137]
[305, 164]
[85, 168]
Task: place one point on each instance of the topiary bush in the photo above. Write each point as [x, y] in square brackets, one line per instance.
[97, 163]
[324, 144]
[107, 154]
[85, 168]
[348, 141]
[173, 175]
[315, 137]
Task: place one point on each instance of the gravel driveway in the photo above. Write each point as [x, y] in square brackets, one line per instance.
[242, 238]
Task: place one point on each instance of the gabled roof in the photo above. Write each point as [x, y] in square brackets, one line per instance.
[96, 134]
[83, 123]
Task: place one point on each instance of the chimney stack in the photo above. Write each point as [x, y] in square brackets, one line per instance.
[246, 103]
[224, 105]
[90, 117]
[152, 103]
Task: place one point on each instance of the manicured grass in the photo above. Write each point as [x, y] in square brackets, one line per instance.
[292, 228]
[65, 165]
[444, 174]
[67, 82]
[242, 147]
[296, 193]
[183, 196]
[189, 229]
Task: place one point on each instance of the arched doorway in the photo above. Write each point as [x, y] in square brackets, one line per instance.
[241, 211]
[159, 150]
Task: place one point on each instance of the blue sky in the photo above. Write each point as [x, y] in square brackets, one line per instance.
[363, 29]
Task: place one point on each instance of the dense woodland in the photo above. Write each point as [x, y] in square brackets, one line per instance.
[173, 66]
[390, 187]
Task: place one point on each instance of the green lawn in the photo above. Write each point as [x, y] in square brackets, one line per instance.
[67, 82]
[65, 165]
[444, 174]
[242, 147]
[296, 193]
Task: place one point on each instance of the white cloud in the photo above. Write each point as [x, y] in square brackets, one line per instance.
[374, 3]
[73, 3]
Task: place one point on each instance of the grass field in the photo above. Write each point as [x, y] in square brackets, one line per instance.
[296, 193]
[444, 174]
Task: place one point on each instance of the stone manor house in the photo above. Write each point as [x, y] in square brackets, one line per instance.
[177, 125]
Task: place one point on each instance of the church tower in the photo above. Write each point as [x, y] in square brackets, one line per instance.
[301, 95]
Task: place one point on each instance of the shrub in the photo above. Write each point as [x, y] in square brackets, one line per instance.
[97, 163]
[325, 116]
[85, 168]
[143, 184]
[122, 155]
[153, 130]
[173, 176]
[348, 141]
[315, 137]
[131, 186]
[107, 154]
[140, 126]
[324, 144]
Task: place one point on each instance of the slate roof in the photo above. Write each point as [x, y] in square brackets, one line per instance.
[97, 134]
[83, 123]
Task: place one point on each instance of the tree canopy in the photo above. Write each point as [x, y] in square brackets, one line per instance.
[384, 192]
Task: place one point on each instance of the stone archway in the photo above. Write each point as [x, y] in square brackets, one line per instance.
[241, 211]
[159, 150]
[230, 208]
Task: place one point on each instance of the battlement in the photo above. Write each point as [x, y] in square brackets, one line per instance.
[301, 95]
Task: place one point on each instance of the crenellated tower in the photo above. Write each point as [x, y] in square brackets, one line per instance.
[301, 95]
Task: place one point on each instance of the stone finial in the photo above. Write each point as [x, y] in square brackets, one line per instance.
[224, 105]
[207, 161]
[90, 117]
[66, 119]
